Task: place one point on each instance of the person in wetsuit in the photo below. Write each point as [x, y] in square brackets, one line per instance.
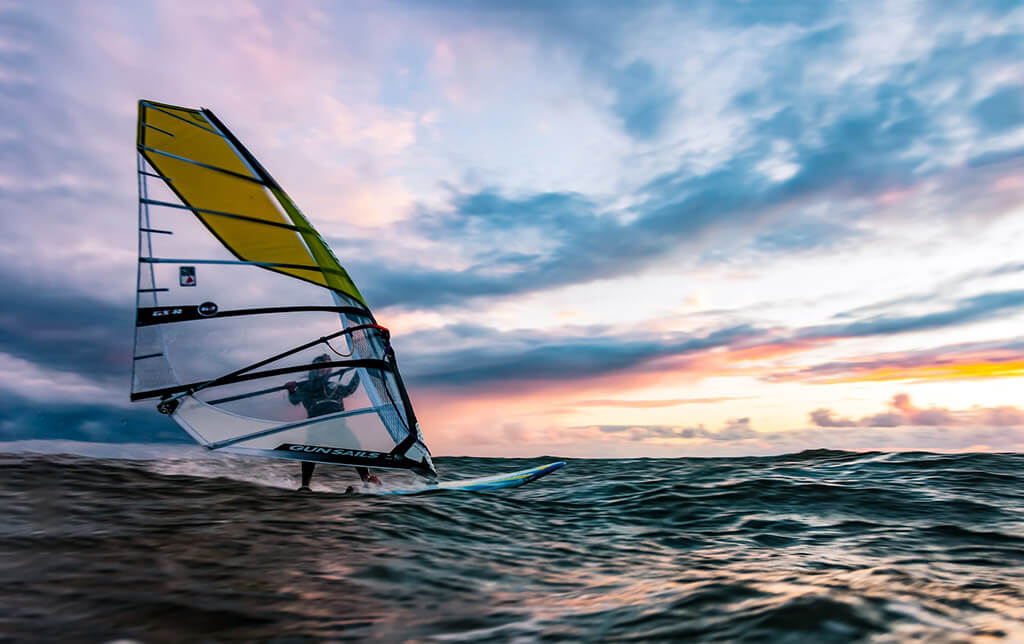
[321, 397]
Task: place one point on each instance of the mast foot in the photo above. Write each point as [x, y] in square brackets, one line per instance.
[167, 406]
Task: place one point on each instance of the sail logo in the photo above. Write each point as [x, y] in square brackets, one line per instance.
[353, 454]
[207, 309]
[160, 313]
[187, 275]
[311, 449]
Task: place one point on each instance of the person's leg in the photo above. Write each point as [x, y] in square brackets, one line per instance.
[307, 472]
[366, 477]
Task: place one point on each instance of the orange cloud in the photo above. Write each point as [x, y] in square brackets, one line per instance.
[964, 371]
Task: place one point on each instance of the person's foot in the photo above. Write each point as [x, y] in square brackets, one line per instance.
[372, 478]
[350, 490]
[304, 488]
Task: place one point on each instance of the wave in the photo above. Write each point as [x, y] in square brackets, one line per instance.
[172, 543]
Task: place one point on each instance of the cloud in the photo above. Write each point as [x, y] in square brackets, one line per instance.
[650, 404]
[903, 413]
[877, 145]
[940, 290]
[1002, 110]
[776, 14]
[642, 102]
[884, 438]
[23, 418]
[490, 357]
[806, 234]
[44, 385]
[477, 356]
[735, 430]
[1002, 416]
[965, 311]
[826, 418]
[64, 330]
[643, 98]
[889, 431]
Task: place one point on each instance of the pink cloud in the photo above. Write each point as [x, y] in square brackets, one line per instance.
[647, 404]
[902, 412]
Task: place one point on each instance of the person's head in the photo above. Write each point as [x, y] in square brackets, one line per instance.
[321, 372]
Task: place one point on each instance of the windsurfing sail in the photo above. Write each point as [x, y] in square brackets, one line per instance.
[248, 330]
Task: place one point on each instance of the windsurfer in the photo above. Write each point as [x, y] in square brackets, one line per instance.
[320, 397]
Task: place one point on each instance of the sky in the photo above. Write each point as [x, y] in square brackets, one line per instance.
[646, 229]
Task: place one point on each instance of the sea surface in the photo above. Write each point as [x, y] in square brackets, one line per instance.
[820, 546]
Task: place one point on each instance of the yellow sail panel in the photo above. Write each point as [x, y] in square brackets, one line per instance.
[209, 173]
[337, 277]
[193, 138]
[207, 190]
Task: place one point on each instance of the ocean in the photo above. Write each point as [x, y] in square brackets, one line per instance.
[821, 546]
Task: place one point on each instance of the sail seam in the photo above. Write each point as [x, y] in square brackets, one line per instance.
[172, 115]
[232, 173]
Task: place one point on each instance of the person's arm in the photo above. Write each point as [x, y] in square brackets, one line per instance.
[350, 388]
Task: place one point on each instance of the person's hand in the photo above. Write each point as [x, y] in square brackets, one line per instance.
[290, 386]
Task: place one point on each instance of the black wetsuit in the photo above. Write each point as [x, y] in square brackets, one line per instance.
[320, 398]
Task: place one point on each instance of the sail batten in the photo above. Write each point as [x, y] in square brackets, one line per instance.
[162, 131]
[237, 304]
[228, 442]
[207, 211]
[157, 107]
[168, 260]
[156, 315]
[205, 166]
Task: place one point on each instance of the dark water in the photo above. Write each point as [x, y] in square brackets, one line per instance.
[815, 547]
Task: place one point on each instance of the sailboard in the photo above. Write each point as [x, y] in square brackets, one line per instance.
[481, 484]
[249, 333]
